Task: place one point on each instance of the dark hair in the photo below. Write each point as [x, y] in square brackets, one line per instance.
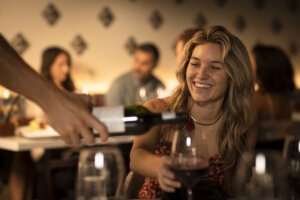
[48, 57]
[274, 70]
[188, 34]
[150, 48]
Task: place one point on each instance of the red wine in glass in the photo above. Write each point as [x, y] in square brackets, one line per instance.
[190, 177]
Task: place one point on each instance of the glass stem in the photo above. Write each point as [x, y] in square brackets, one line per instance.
[189, 194]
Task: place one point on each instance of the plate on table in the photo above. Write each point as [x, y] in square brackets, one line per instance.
[28, 132]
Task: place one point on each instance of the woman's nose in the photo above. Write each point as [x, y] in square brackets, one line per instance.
[203, 72]
[66, 68]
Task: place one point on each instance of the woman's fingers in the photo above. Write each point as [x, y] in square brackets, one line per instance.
[167, 178]
[167, 173]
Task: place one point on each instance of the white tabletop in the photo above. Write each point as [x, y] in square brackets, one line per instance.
[18, 143]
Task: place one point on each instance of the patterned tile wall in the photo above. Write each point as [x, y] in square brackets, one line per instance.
[101, 35]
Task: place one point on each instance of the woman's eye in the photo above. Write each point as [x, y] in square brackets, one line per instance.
[194, 64]
[215, 67]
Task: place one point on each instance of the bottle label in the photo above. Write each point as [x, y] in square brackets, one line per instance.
[168, 115]
[112, 117]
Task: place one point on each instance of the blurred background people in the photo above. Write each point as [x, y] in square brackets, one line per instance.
[183, 38]
[56, 66]
[19, 77]
[139, 84]
[273, 97]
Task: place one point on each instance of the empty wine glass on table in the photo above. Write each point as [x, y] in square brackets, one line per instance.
[101, 174]
[260, 176]
[291, 154]
[190, 158]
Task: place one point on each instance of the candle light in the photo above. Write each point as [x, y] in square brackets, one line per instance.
[85, 91]
[260, 163]
[264, 181]
[188, 141]
[99, 160]
[6, 94]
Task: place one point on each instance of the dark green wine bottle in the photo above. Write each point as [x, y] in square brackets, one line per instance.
[135, 119]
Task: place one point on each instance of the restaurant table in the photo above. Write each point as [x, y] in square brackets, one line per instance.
[19, 143]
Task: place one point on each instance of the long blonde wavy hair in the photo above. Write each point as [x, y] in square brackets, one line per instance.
[237, 107]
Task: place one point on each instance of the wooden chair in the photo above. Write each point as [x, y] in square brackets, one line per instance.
[132, 185]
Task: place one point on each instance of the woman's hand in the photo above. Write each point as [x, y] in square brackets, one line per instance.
[166, 177]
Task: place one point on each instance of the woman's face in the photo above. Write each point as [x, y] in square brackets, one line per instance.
[205, 75]
[60, 68]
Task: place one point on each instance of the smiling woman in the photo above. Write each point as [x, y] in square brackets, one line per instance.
[206, 78]
[216, 88]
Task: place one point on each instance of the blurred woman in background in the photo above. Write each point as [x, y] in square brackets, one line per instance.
[273, 99]
[56, 66]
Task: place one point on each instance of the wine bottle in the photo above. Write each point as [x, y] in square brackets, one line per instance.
[134, 120]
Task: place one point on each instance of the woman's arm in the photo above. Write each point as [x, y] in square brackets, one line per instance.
[142, 158]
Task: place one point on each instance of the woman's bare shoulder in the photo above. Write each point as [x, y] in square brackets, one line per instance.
[157, 105]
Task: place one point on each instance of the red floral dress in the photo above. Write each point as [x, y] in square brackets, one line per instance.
[151, 188]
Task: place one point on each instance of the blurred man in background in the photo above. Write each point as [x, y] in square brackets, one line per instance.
[138, 85]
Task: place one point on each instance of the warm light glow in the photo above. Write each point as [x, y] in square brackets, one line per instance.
[299, 146]
[256, 87]
[188, 141]
[297, 79]
[93, 87]
[159, 91]
[260, 163]
[6, 94]
[142, 92]
[85, 91]
[99, 160]
[101, 87]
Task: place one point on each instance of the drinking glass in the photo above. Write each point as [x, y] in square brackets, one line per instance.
[260, 176]
[291, 154]
[100, 174]
[143, 95]
[190, 158]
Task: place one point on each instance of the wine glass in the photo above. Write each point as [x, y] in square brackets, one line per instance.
[190, 158]
[291, 154]
[141, 95]
[100, 174]
[260, 175]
